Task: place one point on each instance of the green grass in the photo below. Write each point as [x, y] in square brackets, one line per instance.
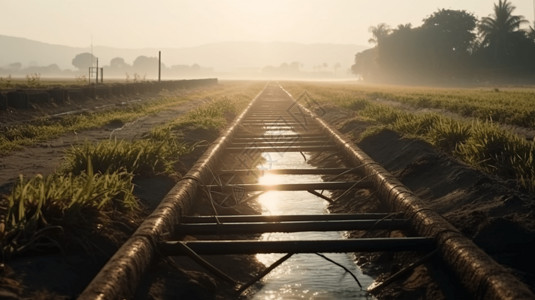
[217, 112]
[93, 192]
[225, 94]
[145, 157]
[513, 106]
[14, 137]
[43, 211]
[479, 142]
[507, 106]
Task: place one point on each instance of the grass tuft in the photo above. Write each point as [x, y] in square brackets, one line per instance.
[147, 157]
[45, 210]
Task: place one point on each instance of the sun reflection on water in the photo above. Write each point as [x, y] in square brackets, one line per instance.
[303, 276]
[270, 179]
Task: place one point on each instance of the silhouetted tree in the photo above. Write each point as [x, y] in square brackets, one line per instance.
[15, 66]
[365, 65]
[446, 47]
[404, 27]
[531, 33]
[449, 37]
[148, 65]
[378, 32]
[83, 61]
[195, 67]
[404, 54]
[500, 31]
[118, 63]
[454, 30]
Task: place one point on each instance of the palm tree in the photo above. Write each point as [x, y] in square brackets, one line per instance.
[379, 32]
[531, 33]
[502, 28]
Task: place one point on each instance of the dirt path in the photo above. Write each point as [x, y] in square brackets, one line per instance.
[46, 157]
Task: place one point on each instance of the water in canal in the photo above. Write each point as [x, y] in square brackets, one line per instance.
[303, 276]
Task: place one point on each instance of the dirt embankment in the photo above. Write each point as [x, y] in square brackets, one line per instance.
[496, 214]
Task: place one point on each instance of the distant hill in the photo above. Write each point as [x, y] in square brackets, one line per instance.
[221, 57]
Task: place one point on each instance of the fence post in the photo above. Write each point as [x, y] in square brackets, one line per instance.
[96, 81]
[159, 66]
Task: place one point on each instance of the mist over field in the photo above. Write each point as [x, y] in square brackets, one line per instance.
[224, 59]
[388, 41]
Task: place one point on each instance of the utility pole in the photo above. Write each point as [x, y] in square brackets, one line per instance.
[160, 65]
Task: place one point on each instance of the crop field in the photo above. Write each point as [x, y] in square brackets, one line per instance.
[473, 125]
[93, 198]
[35, 80]
[43, 127]
[94, 185]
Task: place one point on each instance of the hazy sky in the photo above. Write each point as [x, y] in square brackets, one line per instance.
[180, 23]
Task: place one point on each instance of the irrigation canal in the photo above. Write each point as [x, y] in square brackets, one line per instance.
[265, 157]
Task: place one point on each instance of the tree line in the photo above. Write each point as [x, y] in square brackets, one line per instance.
[451, 46]
[143, 66]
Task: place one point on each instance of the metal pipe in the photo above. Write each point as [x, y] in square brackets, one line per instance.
[286, 218]
[279, 143]
[289, 226]
[318, 171]
[308, 246]
[336, 185]
[282, 149]
[277, 136]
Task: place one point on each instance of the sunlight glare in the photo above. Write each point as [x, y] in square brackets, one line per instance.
[270, 179]
[270, 203]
